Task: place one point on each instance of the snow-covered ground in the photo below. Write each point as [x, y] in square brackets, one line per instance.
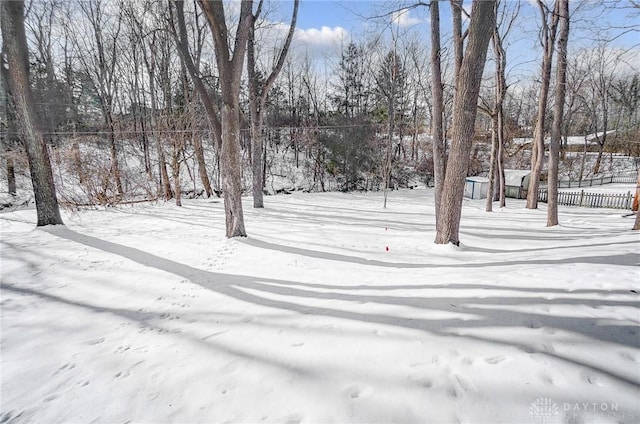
[616, 188]
[333, 310]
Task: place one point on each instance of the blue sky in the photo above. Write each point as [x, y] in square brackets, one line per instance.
[325, 23]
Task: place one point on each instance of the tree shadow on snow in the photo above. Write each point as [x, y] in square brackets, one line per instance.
[627, 259]
[475, 312]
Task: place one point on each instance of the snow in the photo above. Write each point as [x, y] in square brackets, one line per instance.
[572, 140]
[615, 188]
[513, 177]
[147, 313]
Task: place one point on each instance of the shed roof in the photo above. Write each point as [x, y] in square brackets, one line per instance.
[478, 179]
[513, 177]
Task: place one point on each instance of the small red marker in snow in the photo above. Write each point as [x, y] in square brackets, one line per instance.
[386, 248]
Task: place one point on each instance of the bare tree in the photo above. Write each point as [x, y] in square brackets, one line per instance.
[437, 133]
[483, 16]
[636, 224]
[99, 57]
[549, 22]
[9, 133]
[258, 92]
[496, 170]
[152, 65]
[230, 63]
[558, 110]
[15, 43]
[192, 64]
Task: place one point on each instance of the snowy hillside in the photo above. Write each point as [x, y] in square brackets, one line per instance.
[334, 310]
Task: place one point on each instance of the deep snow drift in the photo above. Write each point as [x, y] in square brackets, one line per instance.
[148, 314]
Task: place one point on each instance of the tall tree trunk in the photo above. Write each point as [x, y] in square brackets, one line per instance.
[596, 166]
[438, 142]
[465, 105]
[11, 174]
[202, 165]
[15, 42]
[231, 168]
[501, 176]
[386, 169]
[258, 99]
[230, 63]
[558, 110]
[537, 149]
[162, 162]
[636, 224]
[175, 167]
[113, 152]
[501, 94]
[458, 37]
[493, 165]
[179, 31]
[10, 136]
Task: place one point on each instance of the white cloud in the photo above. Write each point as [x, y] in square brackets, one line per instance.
[403, 18]
[323, 37]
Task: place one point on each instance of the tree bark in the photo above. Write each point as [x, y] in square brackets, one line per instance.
[496, 171]
[549, 31]
[15, 41]
[202, 165]
[493, 165]
[558, 110]
[10, 136]
[230, 68]
[636, 224]
[162, 161]
[458, 38]
[180, 37]
[258, 99]
[483, 16]
[438, 142]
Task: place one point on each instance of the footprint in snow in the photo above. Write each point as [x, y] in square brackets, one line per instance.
[9, 417]
[452, 392]
[168, 316]
[292, 419]
[468, 361]
[95, 341]
[589, 378]
[166, 331]
[50, 398]
[465, 383]
[628, 356]
[126, 373]
[495, 360]
[65, 367]
[546, 378]
[422, 381]
[122, 349]
[356, 391]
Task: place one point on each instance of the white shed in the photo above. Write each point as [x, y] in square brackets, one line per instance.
[516, 182]
[476, 187]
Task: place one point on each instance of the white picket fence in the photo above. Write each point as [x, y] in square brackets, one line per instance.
[590, 182]
[590, 200]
